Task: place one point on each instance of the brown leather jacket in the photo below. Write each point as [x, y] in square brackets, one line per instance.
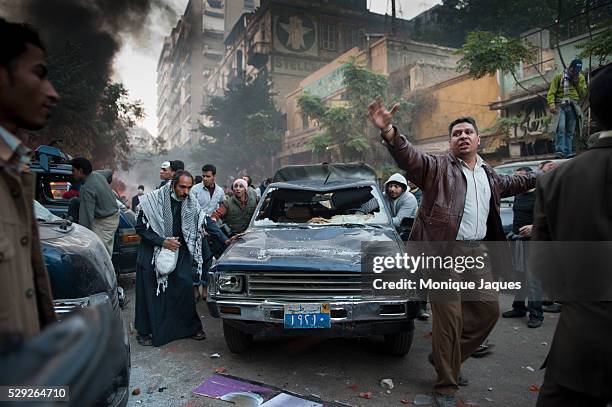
[26, 300]
[444, 188]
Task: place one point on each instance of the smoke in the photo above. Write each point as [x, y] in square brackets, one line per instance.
[96, 27]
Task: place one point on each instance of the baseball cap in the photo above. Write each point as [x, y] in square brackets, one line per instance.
[576, 64]
[165, 165]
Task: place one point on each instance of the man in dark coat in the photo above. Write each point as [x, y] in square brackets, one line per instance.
[573, 204]
[165, 306]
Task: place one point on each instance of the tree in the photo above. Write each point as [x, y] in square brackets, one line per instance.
[600, 45]
[485, 53]
[245, 130]
[93, 118]
[345, 126]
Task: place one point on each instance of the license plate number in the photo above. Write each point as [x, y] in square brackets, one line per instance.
[301, 316]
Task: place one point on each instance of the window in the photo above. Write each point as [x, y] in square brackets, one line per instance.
[328, 36]
[352, 37]
[360, 205]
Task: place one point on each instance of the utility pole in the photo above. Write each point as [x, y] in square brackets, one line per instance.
[393, 19]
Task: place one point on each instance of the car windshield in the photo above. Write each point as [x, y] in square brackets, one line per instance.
[362, 205]
[43, 214]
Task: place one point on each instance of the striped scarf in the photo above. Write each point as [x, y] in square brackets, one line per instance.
[157, 208]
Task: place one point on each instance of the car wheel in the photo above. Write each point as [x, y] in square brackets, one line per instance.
[399, 343]
[236, 340]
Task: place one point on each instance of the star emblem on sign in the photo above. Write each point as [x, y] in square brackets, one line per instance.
[296, 32]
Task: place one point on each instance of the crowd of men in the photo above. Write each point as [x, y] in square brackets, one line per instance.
[177, 222]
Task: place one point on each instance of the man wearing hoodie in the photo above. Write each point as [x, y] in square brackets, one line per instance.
[401, 201]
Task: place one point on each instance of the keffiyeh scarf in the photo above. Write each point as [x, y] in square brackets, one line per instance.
[157, 208]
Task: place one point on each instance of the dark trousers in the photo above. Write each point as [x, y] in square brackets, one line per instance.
[555, 395]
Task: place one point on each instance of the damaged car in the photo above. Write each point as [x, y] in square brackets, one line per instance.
[297, 269]
[82, 276]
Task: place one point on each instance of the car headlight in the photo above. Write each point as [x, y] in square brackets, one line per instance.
[230, 283]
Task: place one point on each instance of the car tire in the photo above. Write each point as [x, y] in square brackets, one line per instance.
[236, 340]
[399, 343]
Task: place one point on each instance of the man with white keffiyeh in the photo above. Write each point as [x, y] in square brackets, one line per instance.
[169, 218]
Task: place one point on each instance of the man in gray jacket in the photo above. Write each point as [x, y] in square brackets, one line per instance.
[401, 201]
[98, 209]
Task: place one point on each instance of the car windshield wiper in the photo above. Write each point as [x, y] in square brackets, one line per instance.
[357, 225]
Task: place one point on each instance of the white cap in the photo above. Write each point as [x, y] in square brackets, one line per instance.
[165, 165]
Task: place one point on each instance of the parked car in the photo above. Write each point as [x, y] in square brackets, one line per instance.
[54, 174]
[507, 215]
[300, 259]
[82, 275]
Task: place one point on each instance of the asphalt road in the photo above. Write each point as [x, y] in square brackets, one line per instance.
[339, 369]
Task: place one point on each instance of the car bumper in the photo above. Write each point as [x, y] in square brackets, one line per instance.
[348, 318]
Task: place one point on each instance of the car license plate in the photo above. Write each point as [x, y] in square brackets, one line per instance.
[300, 316]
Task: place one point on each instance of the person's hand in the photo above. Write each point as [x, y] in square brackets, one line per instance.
[172, 243]
[525, 231]
[552, 109]
[319, 220]
[381, 118]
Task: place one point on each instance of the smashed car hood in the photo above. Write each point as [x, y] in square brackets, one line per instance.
[330, 248]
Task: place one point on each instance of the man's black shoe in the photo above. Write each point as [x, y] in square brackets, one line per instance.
[514, 313]
[534, 322]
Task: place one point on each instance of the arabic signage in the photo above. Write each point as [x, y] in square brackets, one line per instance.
[295, 66]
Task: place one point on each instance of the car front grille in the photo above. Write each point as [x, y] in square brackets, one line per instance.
[64, 307]
[306, 285]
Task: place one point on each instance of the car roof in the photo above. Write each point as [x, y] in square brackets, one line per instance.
[321, 185]
[533, 163]
[64, 169]
[325, 172]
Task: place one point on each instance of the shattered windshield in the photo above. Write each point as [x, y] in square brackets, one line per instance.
[361, 205]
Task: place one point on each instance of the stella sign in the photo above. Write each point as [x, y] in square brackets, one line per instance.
[296, 34]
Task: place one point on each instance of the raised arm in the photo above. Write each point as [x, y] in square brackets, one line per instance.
[420, 167]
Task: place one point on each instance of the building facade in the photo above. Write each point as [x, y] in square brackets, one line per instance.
[410, 66]
[290, 39]
[189, 55]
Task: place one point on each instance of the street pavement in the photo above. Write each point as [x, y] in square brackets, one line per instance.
[339, 369]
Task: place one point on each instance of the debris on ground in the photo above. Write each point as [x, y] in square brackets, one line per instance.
[154, 383]
[490, 389]
[161, 389]
[366, 395]
[386, 384]
[404, 401]
[136, 391]
[428, 335]
[220, 370]
[215, 356]
[422, 400]
[488, 399]
[534, 387]
[531, 369]
[544, 344]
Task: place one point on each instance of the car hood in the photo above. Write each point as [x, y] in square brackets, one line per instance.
[332, 248]
[76, 260]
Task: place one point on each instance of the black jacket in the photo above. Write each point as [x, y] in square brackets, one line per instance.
[574, 204]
